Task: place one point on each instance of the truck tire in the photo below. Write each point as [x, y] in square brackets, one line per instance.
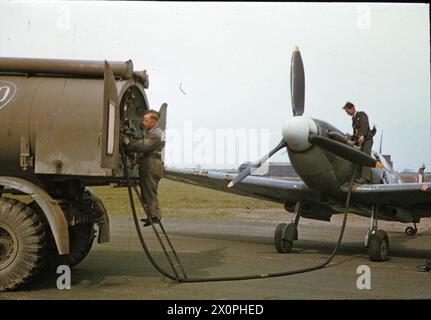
[22, 243]
[81, 238]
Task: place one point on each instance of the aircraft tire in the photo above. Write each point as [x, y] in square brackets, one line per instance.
[282, 245]
[379, 246]
[22, 244]
[410, 231]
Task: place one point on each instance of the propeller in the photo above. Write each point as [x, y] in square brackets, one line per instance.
[297, 89]
[253, 166]
[344, 151]
[297, 83]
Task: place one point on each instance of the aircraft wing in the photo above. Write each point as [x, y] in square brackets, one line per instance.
[404, 194]
[271, 189]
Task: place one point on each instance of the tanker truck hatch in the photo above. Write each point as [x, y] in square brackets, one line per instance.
[78, 126]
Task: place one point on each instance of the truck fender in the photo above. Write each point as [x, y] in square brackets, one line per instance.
[52, 211]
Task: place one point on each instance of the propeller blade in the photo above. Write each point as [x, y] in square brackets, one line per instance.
[247, 171]
[344, 151]
[297, 83]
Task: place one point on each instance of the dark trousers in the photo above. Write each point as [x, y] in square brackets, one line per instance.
[366, 171]
[150, 172]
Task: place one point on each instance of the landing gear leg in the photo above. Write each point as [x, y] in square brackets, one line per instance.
[286, 234]
[372, 228]
[377, 241]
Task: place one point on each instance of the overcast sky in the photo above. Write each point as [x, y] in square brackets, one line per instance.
[227, 65]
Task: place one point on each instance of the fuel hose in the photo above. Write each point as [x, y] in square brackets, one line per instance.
[229, 278]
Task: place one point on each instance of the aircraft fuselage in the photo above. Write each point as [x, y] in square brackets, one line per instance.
[321, 170]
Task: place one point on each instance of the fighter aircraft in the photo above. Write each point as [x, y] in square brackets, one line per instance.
[326, 165]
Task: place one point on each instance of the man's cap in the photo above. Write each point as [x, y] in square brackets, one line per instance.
[348, 105]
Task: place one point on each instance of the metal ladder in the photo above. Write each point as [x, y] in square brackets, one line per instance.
[167, 251]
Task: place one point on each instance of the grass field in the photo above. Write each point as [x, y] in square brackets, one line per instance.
[185, 201]
[180, 200]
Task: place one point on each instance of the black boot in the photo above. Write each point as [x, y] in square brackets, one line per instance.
[147, 221]
[425, 267]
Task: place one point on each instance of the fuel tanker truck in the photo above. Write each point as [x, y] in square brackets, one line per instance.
[60, 128]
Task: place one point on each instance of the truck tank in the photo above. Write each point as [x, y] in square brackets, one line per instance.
[60, 129]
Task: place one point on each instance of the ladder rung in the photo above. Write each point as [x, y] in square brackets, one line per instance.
[168, 251]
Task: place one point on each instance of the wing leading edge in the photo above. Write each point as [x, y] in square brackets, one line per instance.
[404, 194]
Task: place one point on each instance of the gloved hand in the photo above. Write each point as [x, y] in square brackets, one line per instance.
[350, 143]
[126, 140]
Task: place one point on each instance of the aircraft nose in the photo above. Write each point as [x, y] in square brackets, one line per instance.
[296, 132]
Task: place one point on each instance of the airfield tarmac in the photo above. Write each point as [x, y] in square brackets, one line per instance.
[120, 270]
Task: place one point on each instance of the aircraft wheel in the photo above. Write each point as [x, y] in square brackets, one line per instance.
[282, 245]
[22, 243]
[379, 246]
[410, 231]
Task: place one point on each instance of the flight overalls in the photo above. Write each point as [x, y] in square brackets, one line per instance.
[150, 168]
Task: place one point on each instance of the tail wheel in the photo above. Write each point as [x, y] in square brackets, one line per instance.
[410, 231]
[22, 243]
[81, 238]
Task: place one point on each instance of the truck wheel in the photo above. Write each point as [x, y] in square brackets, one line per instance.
[81, 238]
[22, 243]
